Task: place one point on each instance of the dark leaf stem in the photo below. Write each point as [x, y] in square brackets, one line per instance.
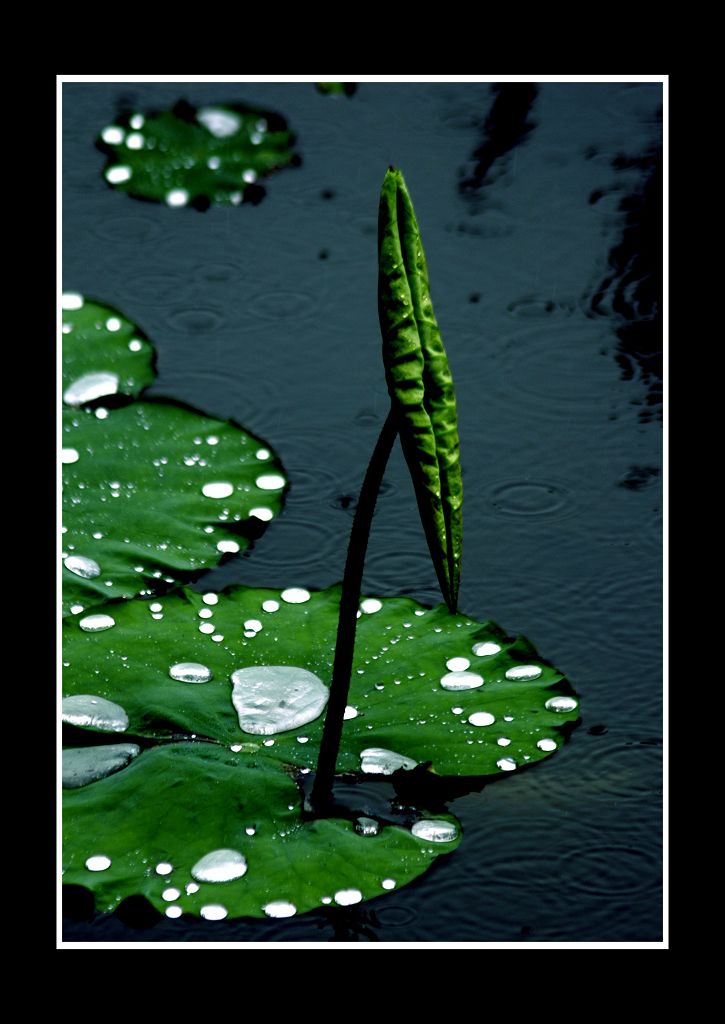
[321, 795]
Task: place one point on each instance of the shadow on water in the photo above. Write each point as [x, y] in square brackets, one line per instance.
[506, 126]
[631, 292]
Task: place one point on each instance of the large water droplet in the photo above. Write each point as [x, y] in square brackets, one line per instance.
[378, 761]
[347, 897]
[295, 595]
[71, 300]
[546, 744]
[481, 718]
[98, 862]
[506, 764]
[221, 123]
[435, 831]
[270, 606]
[265, 514]
[561, 704]
[190, 672]
[270, 482]
[82, 566]
[228, 547]
[280, 908]
[89, 387]
[274, 698]
[119, 173]
[97, 623]
[83, 765]
[350, 712]
[170, 895]
[68, 456]
[164, 868]
[457, 664]
[485, 649]
[173, 912]
[220, 866]
[388, 883]
[461, 681]
[177, 197]
[213, 912]
[367, 826]
[88, 711]
[523, 672]
[217, 489]
[371, 605]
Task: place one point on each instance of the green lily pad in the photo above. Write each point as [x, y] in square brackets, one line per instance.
[154, 492]
[150, 828]
[191, 156]
[518, 710]
[103, 352]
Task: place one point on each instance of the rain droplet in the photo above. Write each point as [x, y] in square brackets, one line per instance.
[89, 387]
[119, 173]
[371, 605]
[191, 888]
[68, 456]
[280, 908]
[135, 345]
[135, 141]
[220, 866]
[350, 712]
[218, 489]
[523, 672]
[457, 664]
[254, 624]
[101, 414]
[76, 609]
[173, 912]
[457, 711]
[177, 197]
[303, 739]
[156, 606]
[250, 830]
[227, 547]
[378, 761]
[71, 300]
[265, 514]
[506, 764]
[206, 627]
[213, 912]
[561, 704]
[213, 163]
[388, 883]
[113, 324]
[270, 606]
[96, 623]
[295, 595]
[546, 744]
[221, 123]
[263, 454]
[367, 826]
[190, 672]
[486, 649]
[270, 699]
[346, 897]
[270, 482]
[98, 862]
[170, 895]
[435, 831]
[205, 613]
[503, 742]
[113, 135]
[481, 718]
[82, 566]
[210, 598]
[88, 711]
[461, 681]
[164, 868]
[83, 765]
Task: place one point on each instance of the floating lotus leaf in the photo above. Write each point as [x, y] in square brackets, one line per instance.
[196, 156]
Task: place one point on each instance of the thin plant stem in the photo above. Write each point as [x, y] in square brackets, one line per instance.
[321, 795]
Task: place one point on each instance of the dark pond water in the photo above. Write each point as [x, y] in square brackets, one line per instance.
[540, 209]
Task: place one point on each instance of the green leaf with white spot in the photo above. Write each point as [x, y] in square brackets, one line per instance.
[155, 493]
[175, 804]
[419, 381]
[404, 659]
[103, 352]
[196, 156]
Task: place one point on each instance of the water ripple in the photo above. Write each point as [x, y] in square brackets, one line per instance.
[135, 228]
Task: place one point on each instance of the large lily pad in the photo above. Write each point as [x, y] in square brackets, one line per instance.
[517, 711]
[191, 156]
[154, 492]
[143, 831]
[103, 352]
